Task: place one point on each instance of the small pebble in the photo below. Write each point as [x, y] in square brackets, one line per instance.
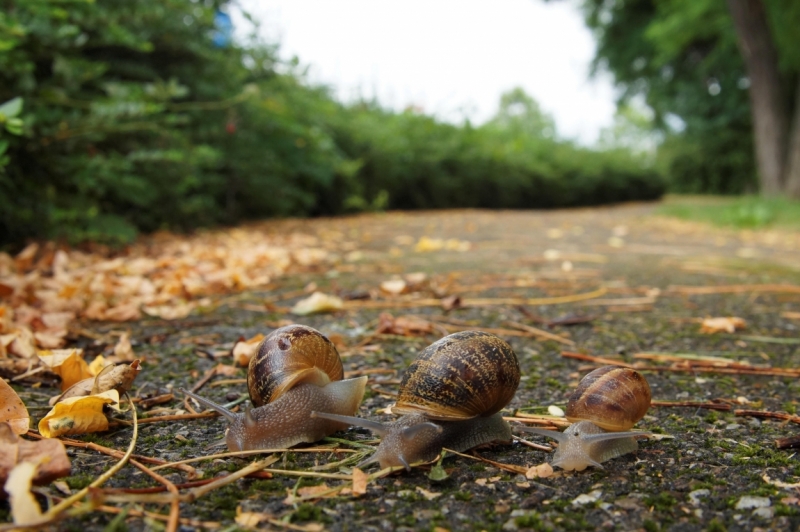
[749, 501]
[586, 498]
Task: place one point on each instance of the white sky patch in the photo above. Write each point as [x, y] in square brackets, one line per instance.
[450, 58]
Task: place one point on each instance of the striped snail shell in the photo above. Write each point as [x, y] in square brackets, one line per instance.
[462, 376]
[290, 356]
[614, 398]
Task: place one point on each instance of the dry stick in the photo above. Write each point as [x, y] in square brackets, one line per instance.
[766, 414]
[195, 493]
[506, 467]
[734, 289]
[212, 525]
[540, 333]
[116, 453]
[174, 510]
[694, 404]
[786, 443]
[477, 302]
[55, 512]
[177, 417]
[248, 453]
[596, 360]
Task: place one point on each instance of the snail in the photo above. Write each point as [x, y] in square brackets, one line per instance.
[295, 370]
[605, 405]
[450, 396]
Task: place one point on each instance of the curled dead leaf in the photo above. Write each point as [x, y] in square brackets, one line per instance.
[317, 303]
[24, 508]
[12, 409]
[403, 325]
[728, 325]
[78, 415]
[67, 364]
[118, 377]
[50, 453]
[243, 350]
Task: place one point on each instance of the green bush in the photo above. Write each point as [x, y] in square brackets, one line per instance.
[135, 120]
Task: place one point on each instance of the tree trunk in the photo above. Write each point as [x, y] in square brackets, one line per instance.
[792, 183]
[770, 116]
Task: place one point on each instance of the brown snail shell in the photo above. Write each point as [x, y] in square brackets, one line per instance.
[290, 356]
[614, 398]
[462, 376]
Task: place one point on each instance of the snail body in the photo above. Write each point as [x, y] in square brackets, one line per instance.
[606, 404]
[450, 396]
[296, 370]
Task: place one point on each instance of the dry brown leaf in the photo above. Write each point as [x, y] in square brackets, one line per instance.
[118, 377]
[715, 325]
[308, 492]
[359, 482]
[49, 453]
[394, 286]
[429, 495]
[123, 351]
[243, 350]
[251, 519]
[539, 471]
[78, 415]
[24, 508]
[451, 302]
[12, 409]
[317, 303]
[67, 364]
[124, 312]
[403, 325]
[176, 311]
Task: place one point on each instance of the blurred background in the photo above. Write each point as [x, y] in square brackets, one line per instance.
[119, 118]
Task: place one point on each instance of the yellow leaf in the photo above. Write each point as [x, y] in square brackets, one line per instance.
[12, 409]
[67, 364]
[359, 482]
[97, 364]
[243, 350]
[78, 415]
[317, 303]
[728, 325]
[24, 508]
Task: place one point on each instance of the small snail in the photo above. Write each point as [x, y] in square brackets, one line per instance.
[605, 405]
[296, 370]
[450, 396]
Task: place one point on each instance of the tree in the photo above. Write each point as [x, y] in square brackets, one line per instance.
[682, 57]
[777, 135]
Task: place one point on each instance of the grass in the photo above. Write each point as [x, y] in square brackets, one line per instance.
[743, 212]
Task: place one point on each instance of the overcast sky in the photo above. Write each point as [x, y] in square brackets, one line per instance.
[452, 58]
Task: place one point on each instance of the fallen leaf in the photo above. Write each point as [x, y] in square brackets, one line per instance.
[359, 482]
[539, 471]
[12, 409]
[317, 303]
[97, 364]
[78, 415]
[24, 508]
[715, 325]
[307, 492]
[429, 495]
[250, 519]
[451, 302]
[124, 350]
[243, 350]
[403, 326]
[170, 312]
[49, 453]
[394, 286]
[117, 377]
[67, 364]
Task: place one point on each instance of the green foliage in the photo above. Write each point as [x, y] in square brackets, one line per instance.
[748, 212]
[135, 121]
[681, 56]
